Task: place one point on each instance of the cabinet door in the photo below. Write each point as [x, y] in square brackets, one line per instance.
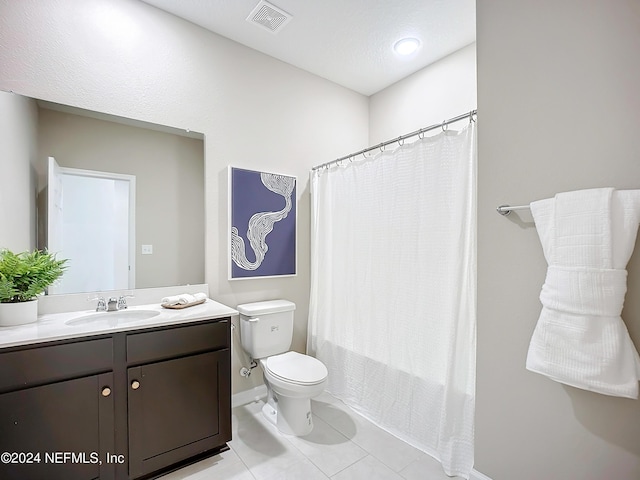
[64, 430]
[175, 410]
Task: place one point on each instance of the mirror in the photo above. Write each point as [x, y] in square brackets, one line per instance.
[168, 166]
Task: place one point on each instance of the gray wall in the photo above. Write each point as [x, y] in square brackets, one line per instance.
[18, 153]
[559, 110]
[442, 90]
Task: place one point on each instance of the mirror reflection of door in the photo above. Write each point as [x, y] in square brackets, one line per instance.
[91, 221]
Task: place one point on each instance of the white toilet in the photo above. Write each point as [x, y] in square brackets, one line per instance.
[292, 379]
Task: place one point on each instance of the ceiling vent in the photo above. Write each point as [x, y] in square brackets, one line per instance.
[269, 16]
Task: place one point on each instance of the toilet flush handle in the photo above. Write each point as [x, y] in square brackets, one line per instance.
[254, 319]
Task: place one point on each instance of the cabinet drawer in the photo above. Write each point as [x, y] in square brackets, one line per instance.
[177, 341]
[46, 364]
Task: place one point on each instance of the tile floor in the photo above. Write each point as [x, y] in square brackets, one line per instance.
[342, 446]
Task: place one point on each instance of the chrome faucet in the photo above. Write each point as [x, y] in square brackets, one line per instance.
[112, 305]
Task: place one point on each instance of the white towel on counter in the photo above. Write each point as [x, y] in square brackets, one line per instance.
[183, 299]
[580, 339]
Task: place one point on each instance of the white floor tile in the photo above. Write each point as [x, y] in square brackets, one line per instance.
[393, 452]
[368, 468]
[260, 446]
[425, 467]
[342, 446]
[327, 448]
[226, 465]
[299, 470]
[335, 413]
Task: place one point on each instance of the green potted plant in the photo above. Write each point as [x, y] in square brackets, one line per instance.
[24, 276]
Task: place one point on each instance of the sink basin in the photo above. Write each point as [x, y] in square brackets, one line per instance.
[114, 318]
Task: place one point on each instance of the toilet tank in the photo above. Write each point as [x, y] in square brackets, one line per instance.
[266, 328]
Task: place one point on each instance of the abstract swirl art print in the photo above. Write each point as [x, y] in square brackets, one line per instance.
[263, 224]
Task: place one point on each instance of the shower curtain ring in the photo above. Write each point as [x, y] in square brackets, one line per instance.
[421, 134]
[400, 139]
[445, 126]
[471, 119]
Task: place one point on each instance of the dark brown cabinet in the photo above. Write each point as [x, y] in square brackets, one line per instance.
[190, 393]
[56, 401]
[43, 426]
[123, 406]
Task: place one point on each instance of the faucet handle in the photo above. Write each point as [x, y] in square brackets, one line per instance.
[102, 304]
[122, 301]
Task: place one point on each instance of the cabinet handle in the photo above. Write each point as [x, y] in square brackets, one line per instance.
[106, 391]
[135, 384]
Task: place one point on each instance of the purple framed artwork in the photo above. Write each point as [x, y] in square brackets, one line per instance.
[262, 213]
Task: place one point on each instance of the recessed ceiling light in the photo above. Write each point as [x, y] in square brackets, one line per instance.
[406, 46]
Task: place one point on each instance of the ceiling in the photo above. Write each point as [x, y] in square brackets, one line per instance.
[349, 42]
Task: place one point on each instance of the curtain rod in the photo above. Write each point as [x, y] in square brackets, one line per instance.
[401, 138]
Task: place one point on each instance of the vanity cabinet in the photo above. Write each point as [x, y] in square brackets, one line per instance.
[128, 405]
[56, 401]
[179, 397]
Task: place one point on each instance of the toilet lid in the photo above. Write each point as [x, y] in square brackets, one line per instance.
[297, 368]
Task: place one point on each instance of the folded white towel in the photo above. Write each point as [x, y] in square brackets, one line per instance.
[200, 296]
[183, 299]
[580, 339]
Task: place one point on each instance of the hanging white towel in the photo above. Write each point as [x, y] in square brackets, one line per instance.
[580, 339]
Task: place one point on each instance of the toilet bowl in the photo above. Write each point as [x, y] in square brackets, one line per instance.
[292, 378]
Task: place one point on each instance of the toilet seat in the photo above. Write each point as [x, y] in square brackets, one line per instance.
[296, 368]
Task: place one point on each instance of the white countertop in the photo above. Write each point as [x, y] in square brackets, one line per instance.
[53, 326]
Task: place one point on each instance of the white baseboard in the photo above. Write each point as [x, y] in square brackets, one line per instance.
[248, 396]
[476, 475]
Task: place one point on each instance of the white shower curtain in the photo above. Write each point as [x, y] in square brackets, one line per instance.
[393, 285]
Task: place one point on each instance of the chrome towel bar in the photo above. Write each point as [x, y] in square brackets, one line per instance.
[507, 209]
